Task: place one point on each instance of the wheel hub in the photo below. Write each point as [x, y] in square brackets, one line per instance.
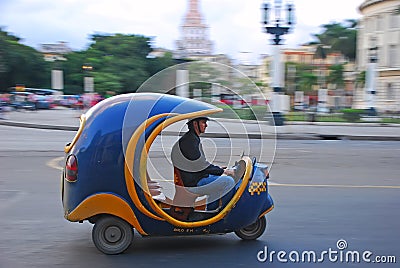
[112, 234]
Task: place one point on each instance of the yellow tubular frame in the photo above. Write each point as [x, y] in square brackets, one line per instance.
[82, 119]
[130, 153]
[129, 160]
[143, 169]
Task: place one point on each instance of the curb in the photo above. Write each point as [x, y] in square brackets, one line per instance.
[285, 136]
[342, 124]
[38, 126]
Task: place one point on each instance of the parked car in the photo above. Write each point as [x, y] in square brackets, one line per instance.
[22, 100]
[71, 101]
[43, 102]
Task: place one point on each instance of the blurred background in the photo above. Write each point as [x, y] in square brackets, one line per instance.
[335, 61]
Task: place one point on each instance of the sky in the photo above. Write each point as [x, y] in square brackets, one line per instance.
[235, 25]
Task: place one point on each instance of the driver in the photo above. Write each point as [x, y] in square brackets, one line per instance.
[201, 176]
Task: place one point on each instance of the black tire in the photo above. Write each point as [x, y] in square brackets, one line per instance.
[112, 235]
[253, 231]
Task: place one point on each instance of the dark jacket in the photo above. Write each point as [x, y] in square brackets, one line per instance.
[188, 156]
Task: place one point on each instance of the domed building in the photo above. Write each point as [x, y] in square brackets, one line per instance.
[378, 49]
[195, 39]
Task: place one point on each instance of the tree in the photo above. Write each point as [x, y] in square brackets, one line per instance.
[335, 37]
[339, 37]
[336, 75]
[73, 72]
[106, 82]
[119, 63]
[307, 80]
[202, 75]
[304, 78]
[122, 56]
[155, 65]
[360, 80]
[21, 64]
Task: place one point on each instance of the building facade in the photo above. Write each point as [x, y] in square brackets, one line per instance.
[306, 55]
[194, 32]
[379, 37]
[54, 52]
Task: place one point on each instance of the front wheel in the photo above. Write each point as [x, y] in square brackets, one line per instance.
[112, 235]
[254, 230]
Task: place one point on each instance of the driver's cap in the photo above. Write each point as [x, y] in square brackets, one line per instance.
[197, 119]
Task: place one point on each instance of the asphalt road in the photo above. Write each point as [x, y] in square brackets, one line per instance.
[324, 191]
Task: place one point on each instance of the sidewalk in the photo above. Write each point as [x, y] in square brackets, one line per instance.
[68, 120]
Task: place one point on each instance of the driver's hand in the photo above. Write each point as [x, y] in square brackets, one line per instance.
[229, 172]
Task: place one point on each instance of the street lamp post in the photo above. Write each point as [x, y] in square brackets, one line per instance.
[88, 81]
[370, 84]
[57, 77]
[277, 26]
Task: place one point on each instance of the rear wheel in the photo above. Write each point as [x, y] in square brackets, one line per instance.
[254, 230]
[112, 235]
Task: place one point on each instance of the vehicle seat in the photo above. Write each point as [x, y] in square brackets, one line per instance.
[184, 201]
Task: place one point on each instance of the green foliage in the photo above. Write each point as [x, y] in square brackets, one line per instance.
[306, 81]
[104, 82]
[158, 64]
[391, 120]
[244, 113]
[304, 76]
[338, 37]
[335, 37]
[20, 64]
[119, 63]
[352, 111]
[361, 78]
[352, 115]
[73, 73]
[336, 75]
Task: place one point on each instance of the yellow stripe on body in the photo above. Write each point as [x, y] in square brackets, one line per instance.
[105, 203]
[267, 211]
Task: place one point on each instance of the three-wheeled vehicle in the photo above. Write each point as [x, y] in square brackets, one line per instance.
[106, 182]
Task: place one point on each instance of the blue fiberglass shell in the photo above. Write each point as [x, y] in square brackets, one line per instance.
[108, 128]
[101, 149]
[253, 202]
